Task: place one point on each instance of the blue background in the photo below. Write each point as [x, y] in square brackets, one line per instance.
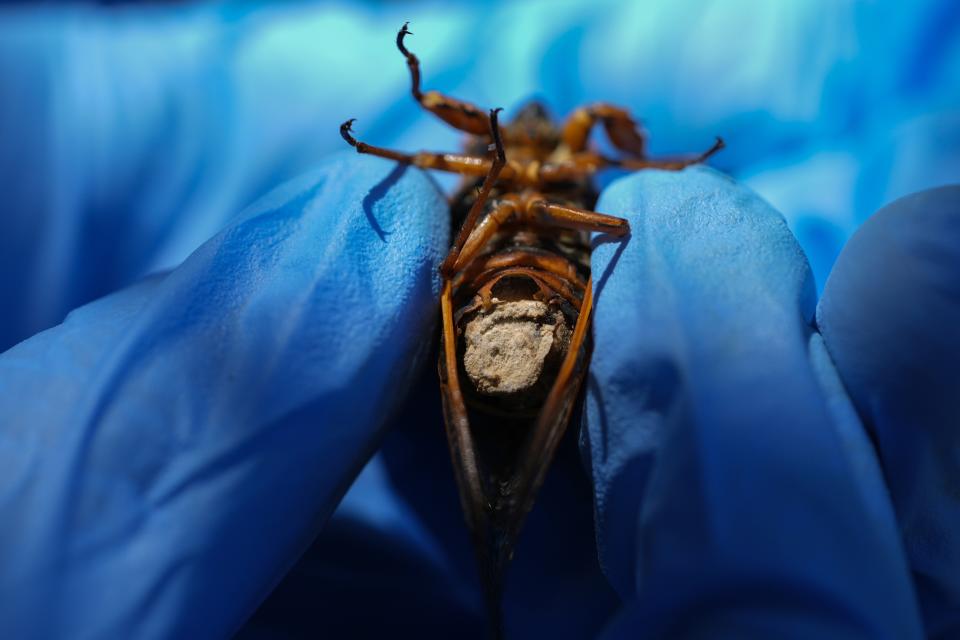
[159, 123]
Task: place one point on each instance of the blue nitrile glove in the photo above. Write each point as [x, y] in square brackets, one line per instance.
[737, 492]
[170, 450]
[198, 427]
[890, 316]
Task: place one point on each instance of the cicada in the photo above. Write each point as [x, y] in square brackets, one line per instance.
[516, 296]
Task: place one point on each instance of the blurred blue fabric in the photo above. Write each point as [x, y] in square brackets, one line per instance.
[132, 134]
[135, 137]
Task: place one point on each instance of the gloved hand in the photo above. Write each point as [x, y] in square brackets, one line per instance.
[170, 449]
[737, 490]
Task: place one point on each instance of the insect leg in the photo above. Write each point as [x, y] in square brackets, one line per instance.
[579, 166]
[621, 128]
[447, 268]
[458, 114]
[558, 273]
[483, 231]
[556, 215]
[624, 134]
[452, 162]
[671, 164]
[587, 163]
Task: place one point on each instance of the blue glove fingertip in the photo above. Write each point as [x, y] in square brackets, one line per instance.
[889, 316]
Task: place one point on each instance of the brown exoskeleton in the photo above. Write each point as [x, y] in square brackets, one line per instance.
[516, 297]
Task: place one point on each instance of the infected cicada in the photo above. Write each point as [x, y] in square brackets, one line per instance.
[517, 296]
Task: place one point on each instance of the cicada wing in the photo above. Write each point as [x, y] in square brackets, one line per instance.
[552, 422]
[495, 520]
[493, 546]
[462, 450]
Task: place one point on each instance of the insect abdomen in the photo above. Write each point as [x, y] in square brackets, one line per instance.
[516, 324]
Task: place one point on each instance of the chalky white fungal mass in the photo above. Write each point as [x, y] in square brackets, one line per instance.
[507, 347]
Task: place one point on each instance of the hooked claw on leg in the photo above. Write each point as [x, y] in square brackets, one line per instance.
[345, 130]
[400, 35]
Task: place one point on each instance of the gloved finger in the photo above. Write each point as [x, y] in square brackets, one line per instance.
[169, 451]
[730, 500]
[890, 317]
